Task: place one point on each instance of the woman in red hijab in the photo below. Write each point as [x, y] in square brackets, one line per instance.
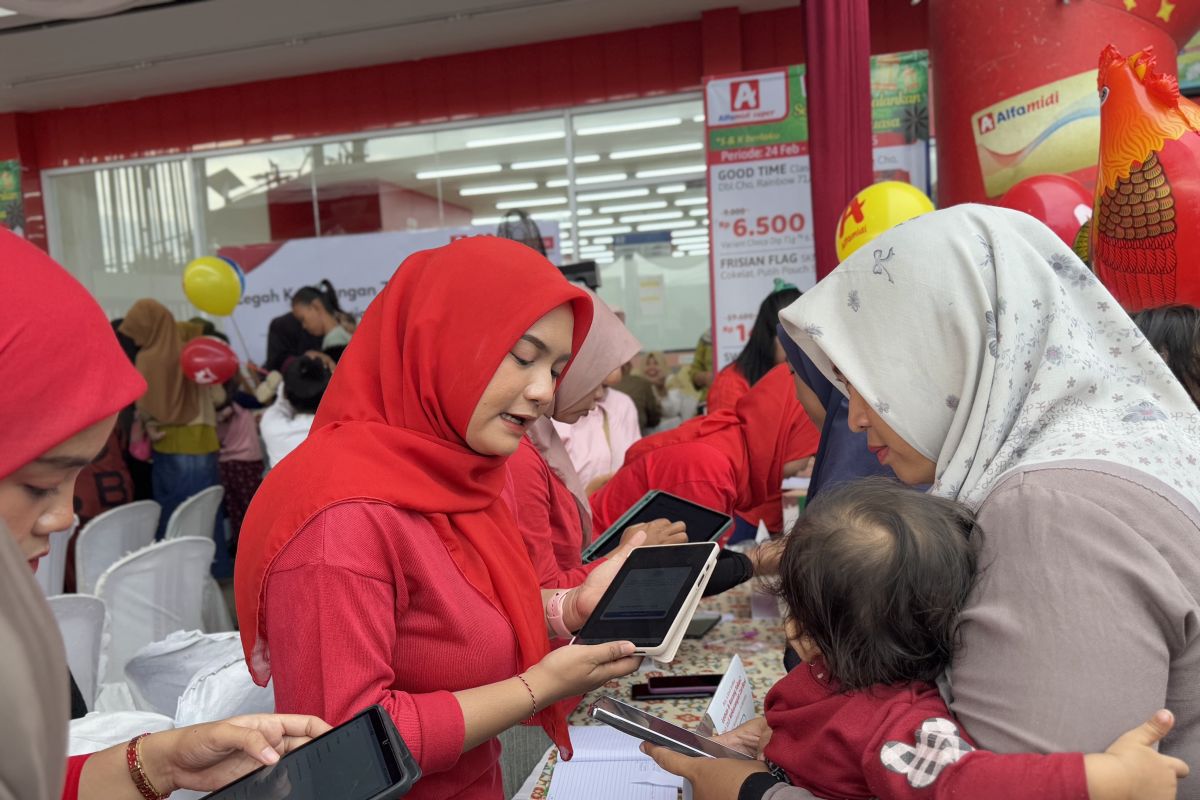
[378, 564]
[65, 377]
[731, 461]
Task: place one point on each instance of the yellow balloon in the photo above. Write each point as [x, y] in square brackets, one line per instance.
[212, 285]
[875, 209]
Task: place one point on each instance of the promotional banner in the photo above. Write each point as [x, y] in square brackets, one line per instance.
[12, 205]
[760, 196]
[358, 266]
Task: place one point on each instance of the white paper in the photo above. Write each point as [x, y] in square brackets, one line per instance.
[733, 702]
[763, 534]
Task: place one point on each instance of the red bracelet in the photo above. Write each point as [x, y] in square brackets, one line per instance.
[133, 757]
[521, 678]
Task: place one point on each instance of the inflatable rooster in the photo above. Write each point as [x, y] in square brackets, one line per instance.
[1145, 232]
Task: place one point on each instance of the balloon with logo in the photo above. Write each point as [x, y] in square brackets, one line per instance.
[1145, 232]
[212, 284]
[875, 209]
[206, 360]
[1057, 200]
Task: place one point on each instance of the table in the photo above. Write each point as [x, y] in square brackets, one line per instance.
[759, 643]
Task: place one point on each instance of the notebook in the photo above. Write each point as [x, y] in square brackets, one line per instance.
[608, 764]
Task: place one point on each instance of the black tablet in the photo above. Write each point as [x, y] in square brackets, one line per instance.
[703, 524]
[652, 597]
[363, 759]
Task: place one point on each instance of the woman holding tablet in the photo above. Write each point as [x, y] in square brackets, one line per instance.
[378, 563]
[545, 493]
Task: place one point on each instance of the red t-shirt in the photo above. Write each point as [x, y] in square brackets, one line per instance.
[547, 516]
[74, 771]
[729, 386]
[365, 605]
[898, 742]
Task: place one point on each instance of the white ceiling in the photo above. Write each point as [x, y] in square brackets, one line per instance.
[192, 45]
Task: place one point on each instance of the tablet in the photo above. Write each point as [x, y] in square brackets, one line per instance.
[363, 759]
[703, 524]
[650, 728]
[652, 598]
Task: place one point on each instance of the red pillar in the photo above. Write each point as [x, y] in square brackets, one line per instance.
[985, 52]
[838, 80]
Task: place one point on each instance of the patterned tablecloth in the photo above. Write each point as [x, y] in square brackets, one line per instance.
[759, 643]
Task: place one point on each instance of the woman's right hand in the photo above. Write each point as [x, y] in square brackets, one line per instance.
[659, 531]
[578, 668]
[1131, 769]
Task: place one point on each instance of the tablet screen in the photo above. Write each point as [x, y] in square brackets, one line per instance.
[347, 762]
[703, 524]
[646, 595]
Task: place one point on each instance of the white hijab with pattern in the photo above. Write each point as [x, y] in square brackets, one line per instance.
[987, 345]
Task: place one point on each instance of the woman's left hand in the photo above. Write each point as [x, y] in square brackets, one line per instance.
[711, 778]
[206, 757]
[581, 601]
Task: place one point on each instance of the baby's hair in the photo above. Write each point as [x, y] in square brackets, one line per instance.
[304, 382]
[876, 574]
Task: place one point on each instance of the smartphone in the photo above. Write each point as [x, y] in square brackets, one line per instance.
[667, 684]
[693, 686]
[655, 730]
[702, 622]
[363, 759]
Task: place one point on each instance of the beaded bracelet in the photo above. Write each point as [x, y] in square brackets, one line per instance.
[532, 697]
[133, 757]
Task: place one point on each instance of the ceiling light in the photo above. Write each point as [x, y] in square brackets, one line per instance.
[592, 250]
[689, 147]
[621, 127]
[698, 118]
[532, 202]
[692, 201]
[667, 226]
[611, 177]
[4, 12]
[596, 222]
[486, 220]
[553, 162]
[528, 137]
[602, 240]
[693, 233]
[665, 171]
[655, 215]
[613, 231]
[561, 213]
[497, 188]
[650, 205]
[671, 188]
[454, 172]
[614, 195]
[698, 212]
[691, 243]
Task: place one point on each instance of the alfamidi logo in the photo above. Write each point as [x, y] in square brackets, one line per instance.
[994, 119]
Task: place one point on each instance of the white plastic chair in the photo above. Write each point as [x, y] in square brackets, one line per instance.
[81, 619]
[196, 516]
[52, 569]
[151, 593]
[111, 535]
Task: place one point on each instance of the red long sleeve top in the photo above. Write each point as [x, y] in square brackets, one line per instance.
[548, 517]
[897, 742]
[365, 605]
[727, 388]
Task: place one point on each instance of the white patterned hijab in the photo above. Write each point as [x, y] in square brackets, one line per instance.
[987, 345]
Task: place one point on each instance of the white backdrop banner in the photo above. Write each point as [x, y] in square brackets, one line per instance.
[358, 266]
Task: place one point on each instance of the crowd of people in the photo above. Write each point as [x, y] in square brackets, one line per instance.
[992, 592]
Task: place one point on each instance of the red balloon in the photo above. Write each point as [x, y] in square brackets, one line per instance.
[206, 360]
[1060, 202]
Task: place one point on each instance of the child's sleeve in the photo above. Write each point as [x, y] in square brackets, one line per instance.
[920, 751]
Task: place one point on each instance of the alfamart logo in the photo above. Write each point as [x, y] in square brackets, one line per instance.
[992, 120]
[748, 99]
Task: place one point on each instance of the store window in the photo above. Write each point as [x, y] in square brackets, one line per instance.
[625, 186]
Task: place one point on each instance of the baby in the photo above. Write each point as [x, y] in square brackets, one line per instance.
[874, 577]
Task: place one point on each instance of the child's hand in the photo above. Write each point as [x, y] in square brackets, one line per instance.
[749, 737]
[1131, 769]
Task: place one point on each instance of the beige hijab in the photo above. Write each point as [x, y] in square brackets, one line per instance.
[171, 399]
[34, 702]
[608, 345]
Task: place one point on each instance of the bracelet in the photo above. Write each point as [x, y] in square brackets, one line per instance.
[554, 615]
[133, 757]
[521, 678]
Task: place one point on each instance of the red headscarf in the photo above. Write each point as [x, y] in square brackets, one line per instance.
[392, 427]
[61, 367]
[766, 429]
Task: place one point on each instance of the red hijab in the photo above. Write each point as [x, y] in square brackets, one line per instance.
[766, 429]
[392, 426]
[61, 366]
